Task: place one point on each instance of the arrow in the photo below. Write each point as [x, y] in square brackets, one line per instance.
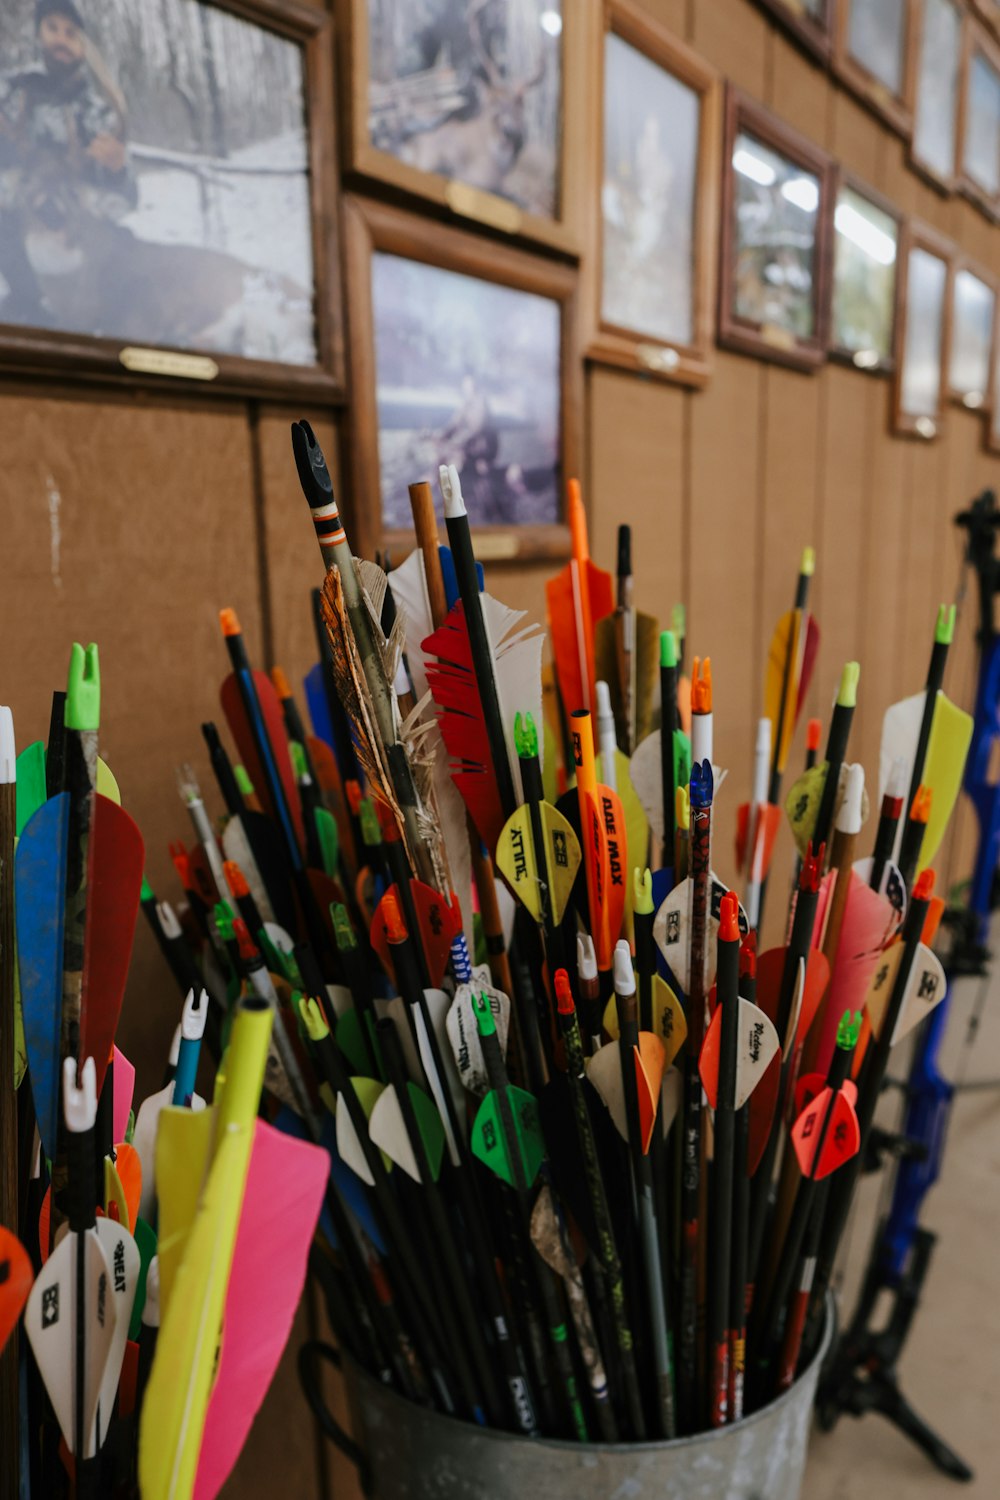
[192, 1415]
[577, 598]
[629, 1084]
[738, 1049]
[757, 823]
[661, 764]
[607, 1248]
[932, 736]
[71, 1313]
[825, 1136]
[604, 844]
[813, 801]
[506, 1137]
[626, 645]
[252, 841]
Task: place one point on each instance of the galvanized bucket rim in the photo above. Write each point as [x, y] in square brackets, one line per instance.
[357, 1372]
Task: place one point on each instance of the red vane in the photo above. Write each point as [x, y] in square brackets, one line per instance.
[353, 790]
[387, 822]
[748, 956]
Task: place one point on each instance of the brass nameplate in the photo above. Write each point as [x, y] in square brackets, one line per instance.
[485, 208]
[656, 357]
[778, 337]
[495, 546]
[169, 362]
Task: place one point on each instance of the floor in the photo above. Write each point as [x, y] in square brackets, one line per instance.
[950, 1371]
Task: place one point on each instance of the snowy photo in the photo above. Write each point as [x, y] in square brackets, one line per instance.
[470, 90]
[467, 373]
[154, 178]
[648, 196]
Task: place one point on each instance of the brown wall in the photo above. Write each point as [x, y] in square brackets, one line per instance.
[171, 509]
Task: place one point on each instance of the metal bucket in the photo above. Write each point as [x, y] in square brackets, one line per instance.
[406, 1452]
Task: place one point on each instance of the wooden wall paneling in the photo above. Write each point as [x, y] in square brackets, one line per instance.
[796, 90]
[733, 37]
[790, 441]
[669, 13]
[855, 137]
[840, 543]
[725, 499]
[293, 562]
[885, 524]
[132, 526]
[636, 470]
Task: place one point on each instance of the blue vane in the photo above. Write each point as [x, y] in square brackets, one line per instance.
[40, 905]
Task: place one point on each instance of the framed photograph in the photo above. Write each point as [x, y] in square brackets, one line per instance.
[979, 115]
[867, 234]
[873, 54]
[775, 250]
[473, 104]
[938, 71]
[924, 332]
[808, 21]
[461, 352]
[973, 330]
[651, 277]
[165, 172]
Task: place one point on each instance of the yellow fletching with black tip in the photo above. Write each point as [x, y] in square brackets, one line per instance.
[516, 861]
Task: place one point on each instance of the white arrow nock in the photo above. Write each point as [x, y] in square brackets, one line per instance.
[79, 1101]
[167, 917]
[8, 749]
[451, 491]
[586, 958]
[849, 816]
[193, 1016]
[624, 973]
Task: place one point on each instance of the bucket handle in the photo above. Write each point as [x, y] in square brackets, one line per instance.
[310, 1356]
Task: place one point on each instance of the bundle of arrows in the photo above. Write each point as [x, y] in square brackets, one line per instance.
[495, 1054]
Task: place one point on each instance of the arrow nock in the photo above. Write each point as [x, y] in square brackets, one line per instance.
[79, 1095]
[83, 689]
[525, 736]
[945, 629]
[848, 1031]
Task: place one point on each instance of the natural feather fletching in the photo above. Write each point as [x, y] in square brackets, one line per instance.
[353, 692]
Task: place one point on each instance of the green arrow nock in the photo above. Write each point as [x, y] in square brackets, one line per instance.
[371, 833]
[224, 919]
[329, 840]
[147, 893]
[243, 781]
[678, 622]
[807, 567]
[847, 694]
[312, 1016]
[299, 763]
[642, 892]
[83, 690]
[343, 931]
[945, 629]
[848, 1031]
[484, 1015]
[525, 736]
[668, 649]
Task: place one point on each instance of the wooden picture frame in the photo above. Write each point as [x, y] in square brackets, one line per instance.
[454, 198]
[814, 36]
[894, 105]
[373, 228]
[839, 349]
[991, 413]
[979, 45]
[970, 397]
[196, 369]
[988, 12]
[936, 19]
[740, 331]
[923, 240]
[613, 340]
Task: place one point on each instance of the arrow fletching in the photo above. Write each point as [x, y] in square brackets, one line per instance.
[491, 1145]
[515, 859]
[842, 1140]
[388, 1131]
[16, 1274]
